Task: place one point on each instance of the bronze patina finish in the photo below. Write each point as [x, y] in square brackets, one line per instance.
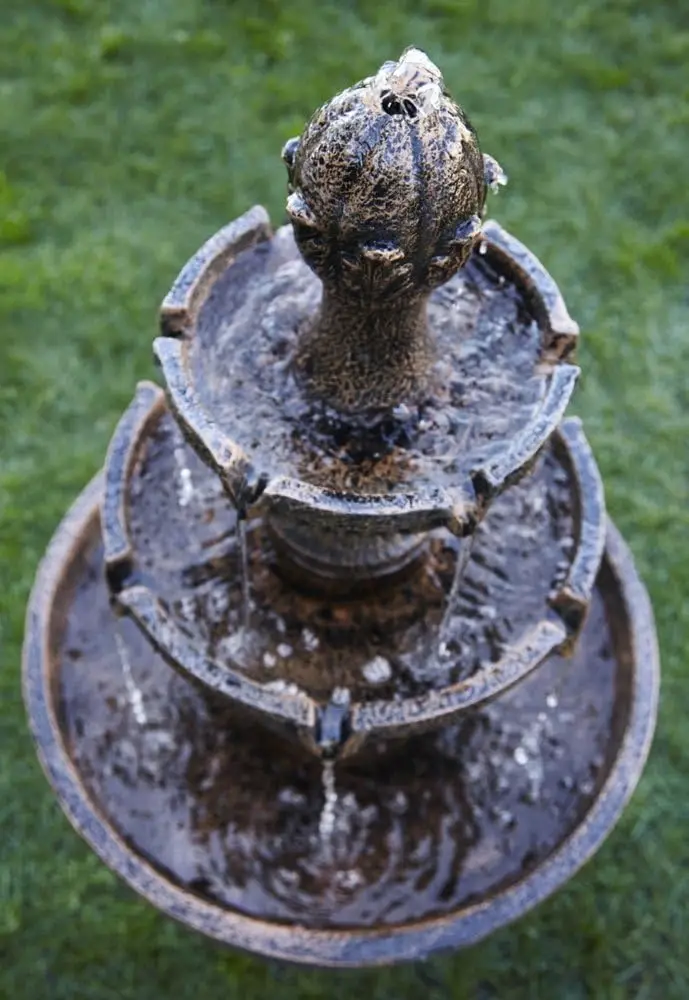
[356, 519]
[501, 385]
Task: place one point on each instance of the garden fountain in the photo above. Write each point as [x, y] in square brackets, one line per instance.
[339, 659]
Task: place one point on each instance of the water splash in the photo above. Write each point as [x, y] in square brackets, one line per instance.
[136, 698]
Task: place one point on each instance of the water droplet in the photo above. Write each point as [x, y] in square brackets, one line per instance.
[185, 491]
[399, 803]
[281, 687]
[290, 797]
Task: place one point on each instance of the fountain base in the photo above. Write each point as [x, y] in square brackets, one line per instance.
[430, 845]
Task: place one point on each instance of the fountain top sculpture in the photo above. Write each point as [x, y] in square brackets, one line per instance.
[388, 187]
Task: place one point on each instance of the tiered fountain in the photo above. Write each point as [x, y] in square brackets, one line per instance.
[339, 659]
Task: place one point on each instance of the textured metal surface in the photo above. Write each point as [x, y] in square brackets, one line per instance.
[388, 362]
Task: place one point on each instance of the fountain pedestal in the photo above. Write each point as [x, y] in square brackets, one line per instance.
[340, 660]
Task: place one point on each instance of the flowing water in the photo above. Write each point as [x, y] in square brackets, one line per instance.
[445, 627]
[134, 693]
[488, 378]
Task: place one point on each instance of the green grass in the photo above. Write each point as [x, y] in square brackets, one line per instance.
[133, 130]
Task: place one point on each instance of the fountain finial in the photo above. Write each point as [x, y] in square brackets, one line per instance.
[387, 191]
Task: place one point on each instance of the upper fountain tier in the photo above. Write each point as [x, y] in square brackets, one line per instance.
[387, 363]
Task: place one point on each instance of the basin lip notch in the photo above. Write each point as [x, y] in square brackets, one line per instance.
[336, 948]
[300, 714]
[458, 509]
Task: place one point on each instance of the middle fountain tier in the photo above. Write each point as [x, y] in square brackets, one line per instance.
[355, 513]
[466, 621]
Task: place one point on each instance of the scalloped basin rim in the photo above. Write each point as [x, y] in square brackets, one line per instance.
[194, 284]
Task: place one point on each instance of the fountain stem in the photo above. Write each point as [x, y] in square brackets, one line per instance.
[363, 353]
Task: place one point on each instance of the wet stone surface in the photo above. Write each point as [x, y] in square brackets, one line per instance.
[488, 378]
[235, 816]
[388, 643]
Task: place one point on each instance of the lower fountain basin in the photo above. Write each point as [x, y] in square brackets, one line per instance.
[431, 848]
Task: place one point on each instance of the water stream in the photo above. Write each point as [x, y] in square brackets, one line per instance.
[244, 570]
[326, 823]
[445, 628]
[134, 693]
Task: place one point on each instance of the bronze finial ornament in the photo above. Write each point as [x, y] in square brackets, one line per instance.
[387, 193]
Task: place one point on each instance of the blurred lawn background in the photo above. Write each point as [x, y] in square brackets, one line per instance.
[130, 132]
